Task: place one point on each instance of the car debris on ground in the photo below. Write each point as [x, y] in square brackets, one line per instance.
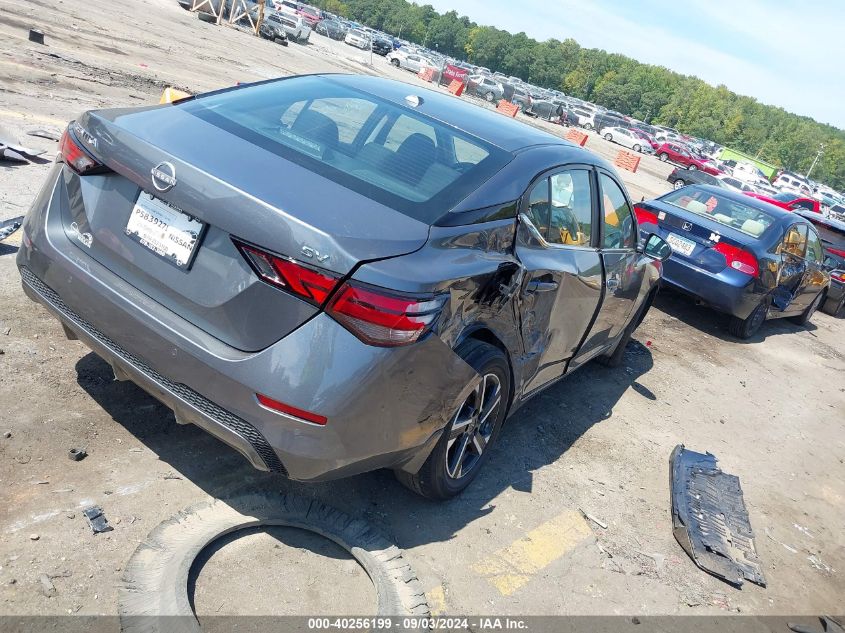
[97, 520]
[710, 520]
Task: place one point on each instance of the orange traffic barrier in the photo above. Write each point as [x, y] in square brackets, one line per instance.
[456, 87]
[171, 94]
[507, 108]
[426, 74]
[627, 160]
[576, 136]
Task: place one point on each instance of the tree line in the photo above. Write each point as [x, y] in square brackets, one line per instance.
[650, 93]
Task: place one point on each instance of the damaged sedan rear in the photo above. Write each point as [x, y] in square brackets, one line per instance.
[335, 274]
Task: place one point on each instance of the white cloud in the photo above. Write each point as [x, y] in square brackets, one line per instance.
[782, 54]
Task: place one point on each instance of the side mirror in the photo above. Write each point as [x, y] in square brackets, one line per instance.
[657, 248]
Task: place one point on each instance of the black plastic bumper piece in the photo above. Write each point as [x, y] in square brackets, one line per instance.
[710, 520]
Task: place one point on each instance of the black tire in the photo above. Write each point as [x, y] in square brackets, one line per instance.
[679, 182]
[748, 327]
[637, 148]
[692, 167]
[489, 97]
[281, 40]
[588, 126]
[613, 358]
[831, 308]
[207, 17]
[664, 156]
[155, 580]
[804, 317]
[432, 480]
[608, 137]
[395, 62]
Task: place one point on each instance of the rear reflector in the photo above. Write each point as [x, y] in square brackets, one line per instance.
[738, 259]
[382, 318]
[77, 158]
[305, 282]
[644, 216]
[281, 407]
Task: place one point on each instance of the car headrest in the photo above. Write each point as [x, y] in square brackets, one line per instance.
[696, 207]
[754, 227]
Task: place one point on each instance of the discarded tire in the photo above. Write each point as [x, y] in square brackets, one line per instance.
[206, 17]
[155, 580]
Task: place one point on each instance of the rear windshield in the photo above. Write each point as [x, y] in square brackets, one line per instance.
[387, 152]
[742, 217]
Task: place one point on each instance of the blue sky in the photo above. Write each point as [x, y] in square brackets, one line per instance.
[788, 53]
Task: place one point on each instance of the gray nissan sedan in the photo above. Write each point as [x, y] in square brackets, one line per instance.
[335, 274]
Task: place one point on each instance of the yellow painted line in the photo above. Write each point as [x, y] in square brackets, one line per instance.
[28, 116]
[436, 600]
[511, 568]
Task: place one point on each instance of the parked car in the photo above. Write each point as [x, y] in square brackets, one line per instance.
[586, 118]
[793, 183]
[295, 27]
[520, 97]
[486, 88]
[623, 137]
[409, 61]
[736, 185]
[789, 201]
[645, 136]
[679, 154]
[382, 46]
[739, 255]
[544, 271]
[331, 28]
[832, 234]
[358, 39]
[681, 177]
[311, 15]
[272, 29]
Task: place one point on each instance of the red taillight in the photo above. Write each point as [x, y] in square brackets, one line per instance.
[309, 284]
[381, 318]
[644, 216]
[838, 276]
[75, 157]
[281, 407]
[738, 259]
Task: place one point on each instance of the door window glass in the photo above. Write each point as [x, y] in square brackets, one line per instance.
[538, 206]
[571, 208]
[814, 247]
[795, 241]
[617, 214]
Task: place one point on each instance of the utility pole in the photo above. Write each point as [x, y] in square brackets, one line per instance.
[816, 159]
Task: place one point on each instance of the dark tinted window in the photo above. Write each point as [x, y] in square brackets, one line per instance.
[389, 153]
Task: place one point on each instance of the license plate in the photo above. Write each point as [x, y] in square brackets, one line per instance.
[165, 230]
[680, 244]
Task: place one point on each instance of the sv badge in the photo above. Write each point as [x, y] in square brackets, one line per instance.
[313, 253]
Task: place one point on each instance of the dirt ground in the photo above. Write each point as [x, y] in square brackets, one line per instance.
[771, 409]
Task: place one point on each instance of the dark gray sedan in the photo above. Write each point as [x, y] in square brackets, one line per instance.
[739, 255]
[335, 274]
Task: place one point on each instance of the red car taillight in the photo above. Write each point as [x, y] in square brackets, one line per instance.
[375, 315]
[304, 282]
[382, 318]
[644, 216]
[738, 259]
[838, 276]
[75, 157]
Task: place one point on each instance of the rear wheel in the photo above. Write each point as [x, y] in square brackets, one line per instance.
[588, 126]
[467, 439]
[489, 96]
[637, 148]
[804, 317]
[664, 157]
[746, 328]
[608, 137]
[679, 183]
[395, 62]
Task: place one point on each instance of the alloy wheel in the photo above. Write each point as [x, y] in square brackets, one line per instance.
[473, 426]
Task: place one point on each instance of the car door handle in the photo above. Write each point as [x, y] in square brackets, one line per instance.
[612, 283]
[540, 286]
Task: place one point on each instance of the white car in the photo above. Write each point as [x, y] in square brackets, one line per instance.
[736, 185]
[624, 137]
[409, 61]
[792, 184]
[294, 25]
[586, 118]
[358, 39]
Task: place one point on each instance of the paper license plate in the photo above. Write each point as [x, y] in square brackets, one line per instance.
[680, 244]
[165, 230]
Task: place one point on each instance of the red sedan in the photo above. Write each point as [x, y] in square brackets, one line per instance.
[788, 201]
[681, 155]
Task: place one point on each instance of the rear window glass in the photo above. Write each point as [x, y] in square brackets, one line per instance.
[389, 153]
[724, 210]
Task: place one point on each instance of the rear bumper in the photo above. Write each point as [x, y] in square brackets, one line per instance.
[727, 291]
[385, 407]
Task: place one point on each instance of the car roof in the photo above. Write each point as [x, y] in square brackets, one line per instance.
[502, 131]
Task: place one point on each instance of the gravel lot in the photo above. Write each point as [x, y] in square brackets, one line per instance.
[771, 409]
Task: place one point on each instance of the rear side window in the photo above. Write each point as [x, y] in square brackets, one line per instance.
[814, 247]
[386, 152]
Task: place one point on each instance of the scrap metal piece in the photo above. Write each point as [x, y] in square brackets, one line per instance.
[710, 520]
[96, 519]
[77, 454]
[10, 226]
